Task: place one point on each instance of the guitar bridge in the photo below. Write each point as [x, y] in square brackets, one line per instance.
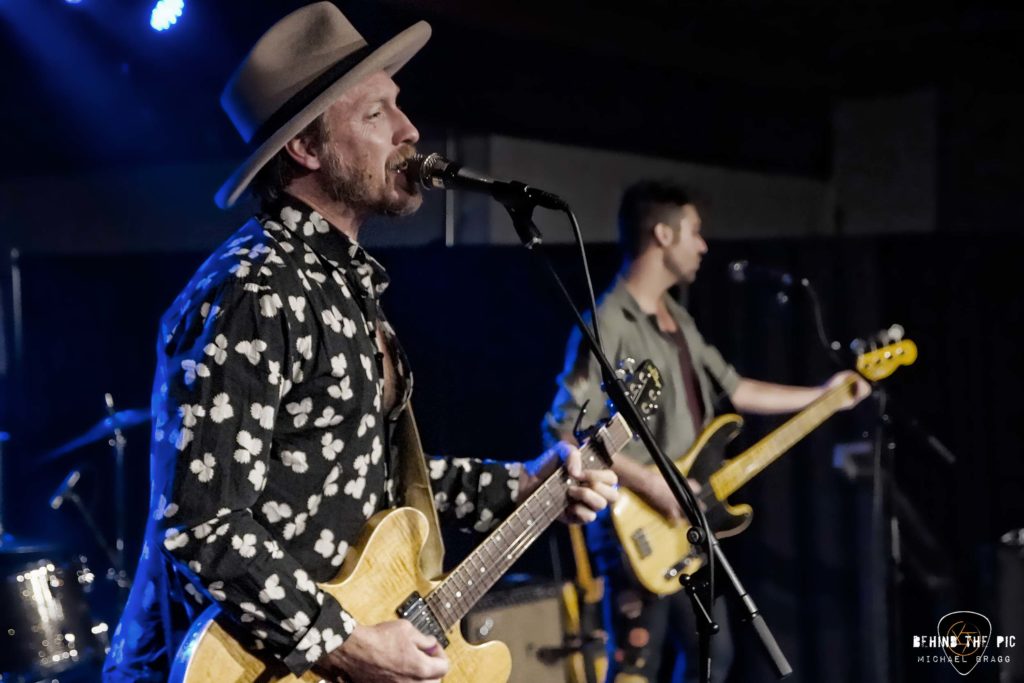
[415, 610]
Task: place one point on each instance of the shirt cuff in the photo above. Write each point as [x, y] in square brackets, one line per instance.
[330, 629]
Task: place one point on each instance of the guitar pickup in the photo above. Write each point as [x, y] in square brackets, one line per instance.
[643, 546]
[675, 570]
[415, 610]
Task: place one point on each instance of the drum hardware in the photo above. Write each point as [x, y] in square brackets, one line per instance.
[111, 427]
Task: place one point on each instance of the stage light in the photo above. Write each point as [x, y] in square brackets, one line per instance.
[165, 14]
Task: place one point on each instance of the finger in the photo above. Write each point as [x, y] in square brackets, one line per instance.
[606, 491]
[588, 497]
[602, 476]
[430, 668]
[580, 514]
[573, 461]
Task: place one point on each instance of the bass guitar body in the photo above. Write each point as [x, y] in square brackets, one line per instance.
[656, 549]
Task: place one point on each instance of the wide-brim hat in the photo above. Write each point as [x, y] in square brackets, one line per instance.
[293, 74]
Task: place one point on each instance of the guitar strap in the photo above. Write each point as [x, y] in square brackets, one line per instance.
[416, 492]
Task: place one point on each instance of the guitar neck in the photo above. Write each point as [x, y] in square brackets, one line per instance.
[746, 466]
[466, 584]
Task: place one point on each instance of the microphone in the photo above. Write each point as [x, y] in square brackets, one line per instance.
[434, 172]
[66, 487]
[742, 271]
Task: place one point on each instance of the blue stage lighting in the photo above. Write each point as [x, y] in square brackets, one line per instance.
[166, 13]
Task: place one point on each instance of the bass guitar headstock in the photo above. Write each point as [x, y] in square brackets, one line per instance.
[880, 356]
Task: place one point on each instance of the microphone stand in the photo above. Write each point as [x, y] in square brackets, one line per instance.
[520, 207]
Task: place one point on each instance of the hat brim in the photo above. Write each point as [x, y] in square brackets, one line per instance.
[389, 57]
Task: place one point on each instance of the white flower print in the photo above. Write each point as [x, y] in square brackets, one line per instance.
[273, 549]
[316, 277]
[339, 365]
[298, 306]
[290, 217]
[328, 418]
[368, 421]
[194, 592]
[332, 318]
[348, 622]
[484, 520]
[272, 589]
[270, 304]
[319, 223]
[251, 612]
[437, 468]
[275, 511]
[354, 487]
[376, 450]
[304, 346]
[295, 460]
[332, 640]
[218, 348]
[297, 374]
[313, 504]
[310, 644]
[174, 539]
[348, 327]
[181, 438]
[370, 505]
[251, 349]
[203, 469]
[258, 475]
[309, 258]
[274, 374]
[299, 622]
[296, 527]
[304, 583]
[163, 509]
[331, 483]
[331, 446]
[250, 447]
[240, 269]
[300, 411]
[366, 365]
[190, 414]
[485, 479]
[221, 409]
[362, 464]
[192, 370]
[244, 544]
[463, 505]
[325, 544]
[264, 414]
[216, 591]
[342, 389]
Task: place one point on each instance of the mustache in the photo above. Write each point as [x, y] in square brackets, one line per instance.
[401, 158]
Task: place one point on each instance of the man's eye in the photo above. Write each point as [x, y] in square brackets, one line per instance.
[373, 115]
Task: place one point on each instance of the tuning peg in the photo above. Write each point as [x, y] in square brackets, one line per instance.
[858, 346]
[896, 332]
[627, 366]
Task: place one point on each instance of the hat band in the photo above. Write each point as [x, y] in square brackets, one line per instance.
[304, 97]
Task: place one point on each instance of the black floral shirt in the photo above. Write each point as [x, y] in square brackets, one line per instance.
[271, 447]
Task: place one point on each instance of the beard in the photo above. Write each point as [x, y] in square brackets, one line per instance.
[362, 190]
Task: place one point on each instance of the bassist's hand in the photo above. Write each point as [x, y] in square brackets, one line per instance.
[657, 494]
[391, 652]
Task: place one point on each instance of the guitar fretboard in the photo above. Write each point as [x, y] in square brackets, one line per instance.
[745, 467]
[467, 583]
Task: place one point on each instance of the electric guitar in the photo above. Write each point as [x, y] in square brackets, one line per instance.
[587, 661]
[656, 548]
[381, 580]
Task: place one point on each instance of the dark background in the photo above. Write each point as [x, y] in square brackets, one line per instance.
[742, 84]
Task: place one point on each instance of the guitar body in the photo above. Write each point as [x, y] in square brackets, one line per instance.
[378, 575]
[656, 549]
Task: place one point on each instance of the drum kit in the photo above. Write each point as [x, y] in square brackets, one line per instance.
[47, 628]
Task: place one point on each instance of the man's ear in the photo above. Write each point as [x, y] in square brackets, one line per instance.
[298, 149]
[663, 234]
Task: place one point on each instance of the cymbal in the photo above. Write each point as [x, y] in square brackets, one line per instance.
[122, 419]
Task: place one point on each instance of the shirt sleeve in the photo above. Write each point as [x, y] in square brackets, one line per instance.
[707, 355]
[222, 389]
[579, 385]
[474, 493]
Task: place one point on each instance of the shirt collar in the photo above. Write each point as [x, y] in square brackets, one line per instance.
[330, 243]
